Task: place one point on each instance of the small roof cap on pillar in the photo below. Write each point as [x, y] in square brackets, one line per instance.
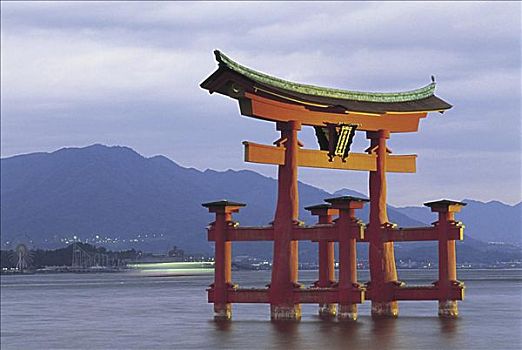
[223, 203]
[322, 209]
[347, 202]
[445, 206]
[319, 206]
[346, 199]
[443, 203]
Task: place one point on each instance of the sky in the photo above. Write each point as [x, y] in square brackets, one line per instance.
[128, 73]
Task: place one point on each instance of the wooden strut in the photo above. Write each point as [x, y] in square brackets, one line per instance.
[341, 297]
[264, 154]
[328, 291]
[268, 109]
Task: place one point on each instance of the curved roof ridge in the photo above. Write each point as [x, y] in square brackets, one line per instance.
[405, 96]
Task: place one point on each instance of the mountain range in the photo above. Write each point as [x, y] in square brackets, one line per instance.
[113, 195]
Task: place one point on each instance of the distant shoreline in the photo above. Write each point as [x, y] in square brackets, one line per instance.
[127, 270]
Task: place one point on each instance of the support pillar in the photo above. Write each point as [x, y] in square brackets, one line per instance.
[447, 256]
[222, 256]
[383, 271]
[326, 257]
[285, 260]
[350, 229]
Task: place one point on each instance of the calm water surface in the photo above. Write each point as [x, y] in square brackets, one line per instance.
[130, 311]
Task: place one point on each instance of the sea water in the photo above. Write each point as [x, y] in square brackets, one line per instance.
[134, 311]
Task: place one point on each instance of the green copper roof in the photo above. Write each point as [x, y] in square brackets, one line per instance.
[266, 79]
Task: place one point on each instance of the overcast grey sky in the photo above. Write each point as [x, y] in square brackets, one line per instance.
[117, 73]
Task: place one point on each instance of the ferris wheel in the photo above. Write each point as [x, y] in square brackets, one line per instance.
[22, 256]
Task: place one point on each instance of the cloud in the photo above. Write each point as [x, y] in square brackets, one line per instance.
[75, 73]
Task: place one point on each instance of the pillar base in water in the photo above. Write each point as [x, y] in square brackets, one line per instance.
[448, 309]
[385, 309]
[285, 312]
[347, 312]
[327, 311]
[222, 312]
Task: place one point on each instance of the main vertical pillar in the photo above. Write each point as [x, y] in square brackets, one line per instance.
[383, 270]
[326, 257]
[285, 259]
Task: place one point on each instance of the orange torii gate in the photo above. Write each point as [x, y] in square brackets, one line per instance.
[292, 105]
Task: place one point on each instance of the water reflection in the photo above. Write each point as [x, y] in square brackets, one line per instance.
[383, 332]
[369, 333]
[285, 334]
[285, 327]
[448, 326]
[223, 325]
[342, 334]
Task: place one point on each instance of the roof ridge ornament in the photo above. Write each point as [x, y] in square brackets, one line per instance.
[405, 96]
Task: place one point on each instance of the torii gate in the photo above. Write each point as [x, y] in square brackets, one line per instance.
[292, 105]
